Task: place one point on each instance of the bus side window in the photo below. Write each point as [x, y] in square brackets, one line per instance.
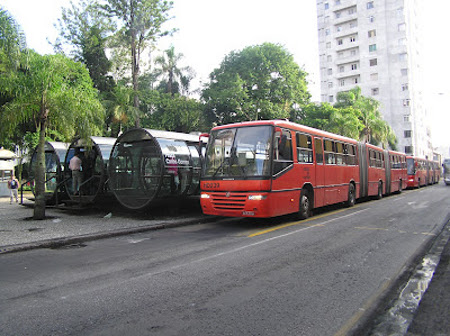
[304, 148]
[319, 150]
[282, 151]
[329, 152]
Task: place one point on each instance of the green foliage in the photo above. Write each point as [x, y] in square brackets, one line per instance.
[139, 25]
[57, 93]
[259, 82]
[175, 79]
[12, 42]
[172, 112]
[374, 129]
[84, 32]
[120, 112]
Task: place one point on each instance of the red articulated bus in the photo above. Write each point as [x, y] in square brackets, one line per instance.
[422, 172]
[274, 167]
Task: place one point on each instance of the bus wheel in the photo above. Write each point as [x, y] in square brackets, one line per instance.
[304, 210]
[380, 190]
[351, 196]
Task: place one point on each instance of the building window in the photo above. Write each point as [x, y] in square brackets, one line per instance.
[341, 68]
[371, 19]
[338, 15]
[327, 31]
[340, 54]
[374, 76]
[353, 24]
[402, 27]
[330, 98]
[355, 80]
[352, 38]
[340, 42]
[329, 58]
[330, 85]
[408, 149]
[402, 57]
[330, 71]
[328, 45]
[354, 66]
[372, 33]
[342, 82]
[370, 5]
[404, 72]
[326, 5]
[408, 133]
[406, 118]
[352, 11]
[339, 29]
[373, 62]
[372, 47]
[405, 87]
[402, 41]
[406, 102]
[353, 52]
[337, 2]
[375, 91]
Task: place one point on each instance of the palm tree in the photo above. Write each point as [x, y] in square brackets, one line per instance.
[56, 93]
[174, 79]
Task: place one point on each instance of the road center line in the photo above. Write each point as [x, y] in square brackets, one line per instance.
[308, 220]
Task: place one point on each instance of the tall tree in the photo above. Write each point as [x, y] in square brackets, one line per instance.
[83, 34]
[140, 25]
[175, 79]
[259, 82]
[12, 42]
[57, 93]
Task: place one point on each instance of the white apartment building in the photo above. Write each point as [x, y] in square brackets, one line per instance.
[375, 44]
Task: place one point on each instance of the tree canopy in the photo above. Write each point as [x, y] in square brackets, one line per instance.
[259, 82]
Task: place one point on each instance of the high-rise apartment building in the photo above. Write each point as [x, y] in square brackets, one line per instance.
[375, 44]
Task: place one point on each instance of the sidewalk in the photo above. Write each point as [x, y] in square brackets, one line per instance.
[19, 232]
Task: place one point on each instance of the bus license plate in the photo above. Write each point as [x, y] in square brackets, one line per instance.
[248, 213]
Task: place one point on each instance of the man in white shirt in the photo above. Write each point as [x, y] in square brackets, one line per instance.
[77, 175]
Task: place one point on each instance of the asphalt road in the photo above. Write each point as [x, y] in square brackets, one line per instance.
[321, 276]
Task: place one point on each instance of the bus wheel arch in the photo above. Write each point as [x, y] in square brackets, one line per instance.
[306, 202]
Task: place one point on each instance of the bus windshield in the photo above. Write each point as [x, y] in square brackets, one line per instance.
[239, 152]
[446, 166]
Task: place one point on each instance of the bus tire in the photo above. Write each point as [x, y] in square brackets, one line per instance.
[351, 196]
[304, 210]
[380, 190]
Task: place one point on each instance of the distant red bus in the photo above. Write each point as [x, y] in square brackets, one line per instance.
[422, 172]
[272, 168]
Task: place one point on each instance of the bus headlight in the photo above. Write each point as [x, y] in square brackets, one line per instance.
[204, 196]
[256, 197]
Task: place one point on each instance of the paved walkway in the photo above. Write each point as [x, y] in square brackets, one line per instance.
[19, 232]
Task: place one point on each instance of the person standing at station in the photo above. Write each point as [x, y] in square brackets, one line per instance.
[77, 175]
[13, 186]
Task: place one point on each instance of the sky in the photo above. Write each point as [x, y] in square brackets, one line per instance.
[210, 29]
